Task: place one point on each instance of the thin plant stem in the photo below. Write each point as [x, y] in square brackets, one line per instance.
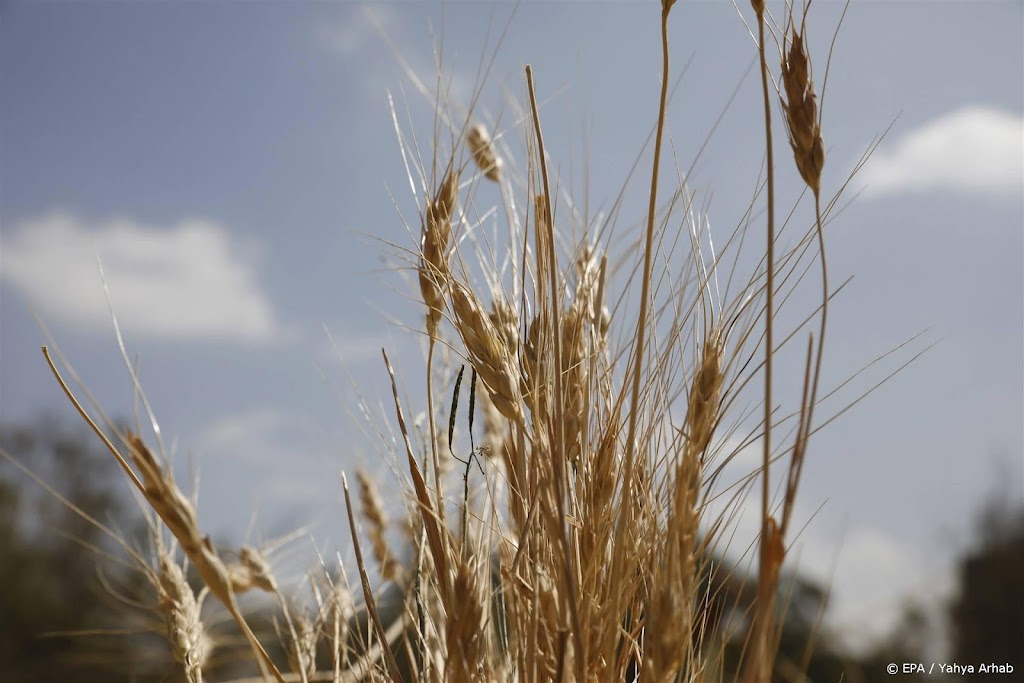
[560, 461]
[760, 664]
[645, 281]
[807, 416]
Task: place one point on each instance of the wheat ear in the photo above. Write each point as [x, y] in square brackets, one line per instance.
[437, 234]
[190, 644]
[491, 357]
[801, 109]
[482, 148]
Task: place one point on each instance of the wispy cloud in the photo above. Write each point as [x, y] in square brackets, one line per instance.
[249, 437]
[974, 150]
[352, 348]
[386, 45]
[360, 27]
[186, 281]
[274, 450]
[279, 473]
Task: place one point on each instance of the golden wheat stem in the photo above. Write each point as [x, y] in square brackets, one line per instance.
[758, 667]
[561, 461]
[824, 316]
[645, 281]
[806, 425]
[626, 517]
[549, 241]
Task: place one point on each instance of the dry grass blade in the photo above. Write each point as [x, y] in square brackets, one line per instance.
[371, 604]
[426, 508]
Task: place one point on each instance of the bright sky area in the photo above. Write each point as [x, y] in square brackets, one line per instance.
[233, 165]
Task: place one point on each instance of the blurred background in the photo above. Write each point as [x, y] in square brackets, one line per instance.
[235, 169]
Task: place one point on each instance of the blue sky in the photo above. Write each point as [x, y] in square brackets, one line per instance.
[233, 165]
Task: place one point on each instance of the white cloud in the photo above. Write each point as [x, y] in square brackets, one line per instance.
[186, 281]
[974, 150]
[873, 576]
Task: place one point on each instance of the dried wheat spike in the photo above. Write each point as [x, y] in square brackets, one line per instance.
[178, 514]
[302, 650]
[588, 277]
[506, 322]
[166, 498]
[801, 111]
[574, 377]
[189, 642]
[482, 148]
[487, 350]
[373, 511]
[339, 613]
[702, 409]
[437, 234]
[253, 571]
[532, 383]
[465, 628]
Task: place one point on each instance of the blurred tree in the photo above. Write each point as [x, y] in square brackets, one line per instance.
[987, 615]
[905, 644]
[51, 587]
[805, 652]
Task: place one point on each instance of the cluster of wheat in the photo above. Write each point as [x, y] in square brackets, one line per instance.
[588, 556]
[584, 549]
